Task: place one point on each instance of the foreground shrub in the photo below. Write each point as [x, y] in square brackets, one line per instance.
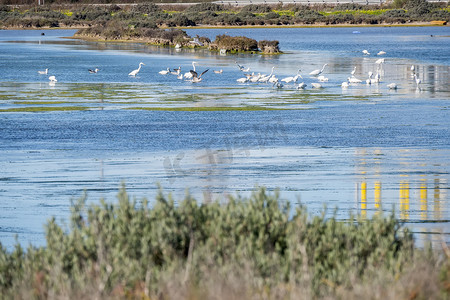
[250, 248]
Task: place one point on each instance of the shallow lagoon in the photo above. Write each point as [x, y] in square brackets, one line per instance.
[363, 149]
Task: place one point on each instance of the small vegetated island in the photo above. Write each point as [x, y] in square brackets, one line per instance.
[163, 24]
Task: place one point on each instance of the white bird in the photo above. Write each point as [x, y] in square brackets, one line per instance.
[255, 78]
[242, 68]
[242, 80]
[176, 71]
[381, 53]
[353, 79]
[43, 72]
[318, 72]
[265, 78]
[316, 85]
[134, 72]
[94, 70]
[354, 71]
[273, 79]
[372, 81]
[365, 52]
[218, 71]
[370, 74]
[418, 81]
[52, 78]
[196, 77]
[292, 78]
[380, 61]
[322, 78]
[345, 84]
[392, 86]
[413, 68]
[164, 72]
[301, 86]
[188, 75]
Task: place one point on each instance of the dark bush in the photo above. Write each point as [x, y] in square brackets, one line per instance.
[146, 8]
[440, 15]
[418, 8]
[395, 13]
[253, 8]
[348, 6]
[272, 15]
[269, 46]
[203, 7]
[238, 43]
[180, 20]
[309, 16]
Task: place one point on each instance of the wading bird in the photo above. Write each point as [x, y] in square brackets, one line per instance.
[381, 53]
[196, 77]
[164, 72]
[292, 78]
[365, 52]
[354, 71]
[318, 72]
[417, 79]
[301, 86]
[242, 68]
[392, 86]
[188, 75]
[265, 78]
[43, 72]
[218, 71]
[134, 72]
[316, 85]
[353, 79]
[52, 78]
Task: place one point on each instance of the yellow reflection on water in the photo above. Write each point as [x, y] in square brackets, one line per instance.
[404, 199]
[423, 192]
[364, 199]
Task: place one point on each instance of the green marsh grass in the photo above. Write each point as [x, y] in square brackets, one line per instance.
[239, 248]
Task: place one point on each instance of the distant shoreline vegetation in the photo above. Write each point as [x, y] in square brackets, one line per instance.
[155, 24]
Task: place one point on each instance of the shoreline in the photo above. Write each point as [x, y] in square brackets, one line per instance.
[412, 24]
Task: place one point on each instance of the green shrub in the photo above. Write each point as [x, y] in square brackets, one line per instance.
[254, 8]
[203, 7]
[132, 250]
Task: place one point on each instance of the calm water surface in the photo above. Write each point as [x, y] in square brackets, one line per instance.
[363, 149]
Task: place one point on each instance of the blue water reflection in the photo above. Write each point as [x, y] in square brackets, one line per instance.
[365, 149]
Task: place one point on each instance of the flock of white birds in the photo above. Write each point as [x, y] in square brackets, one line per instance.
[271, 78]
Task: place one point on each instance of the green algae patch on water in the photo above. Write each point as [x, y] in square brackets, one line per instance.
[44, 109]
[209, 108]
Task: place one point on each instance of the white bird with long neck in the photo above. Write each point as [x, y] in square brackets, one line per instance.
[188, 75]
[417, 79]
[292, 78]
[52, 78]
[354, 71]
[318, 72]
[43, 72]
[265, 78]
[135, 72]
